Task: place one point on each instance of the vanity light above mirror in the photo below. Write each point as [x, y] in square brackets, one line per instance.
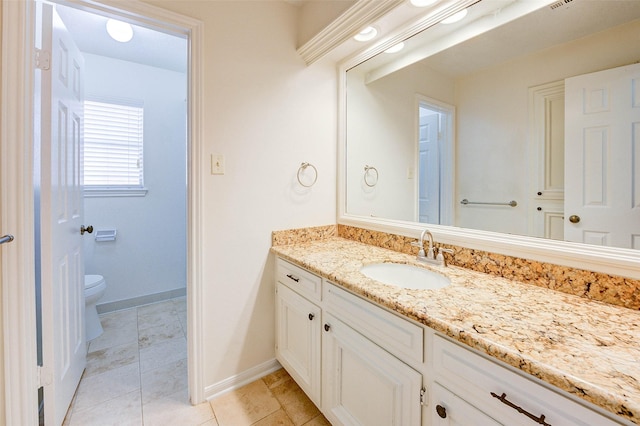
[375, 69]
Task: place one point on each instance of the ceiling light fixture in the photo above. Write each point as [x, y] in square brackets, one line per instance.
[396, 48]
[119, 31]
[423, 3]
[366, 34]
[455, 17]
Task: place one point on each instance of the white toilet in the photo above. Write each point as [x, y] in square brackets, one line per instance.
[94, 287]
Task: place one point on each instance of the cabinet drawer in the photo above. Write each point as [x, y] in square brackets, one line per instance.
[296, 278]
[396, 335]
[477, 379]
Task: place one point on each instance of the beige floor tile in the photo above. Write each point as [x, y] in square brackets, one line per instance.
[180, 304]
[279, 418]
[176, 410]
[295, 402]
[164, 381]
[245, 405]
[318, 421]
[276, 378]
[165, 307]
[123, 410]
[119, 328]
[111, 358]
[99, 388]
[155, 319]
[154, 335]
[162, 353]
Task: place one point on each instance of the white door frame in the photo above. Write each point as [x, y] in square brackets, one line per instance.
[21, 376]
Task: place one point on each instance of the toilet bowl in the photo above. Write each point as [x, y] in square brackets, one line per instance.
[94, 287]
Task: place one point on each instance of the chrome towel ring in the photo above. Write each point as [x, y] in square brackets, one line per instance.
[303, 167]
[368, 177]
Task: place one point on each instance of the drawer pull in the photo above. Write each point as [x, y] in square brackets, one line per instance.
[442, 412]
[503, 398]
[293, 277]
[311, 317]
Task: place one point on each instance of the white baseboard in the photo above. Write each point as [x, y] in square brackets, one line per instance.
[239, 380]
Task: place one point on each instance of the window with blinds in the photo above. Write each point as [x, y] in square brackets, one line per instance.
[113, 146]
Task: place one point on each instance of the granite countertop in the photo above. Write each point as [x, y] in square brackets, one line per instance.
[587, 348]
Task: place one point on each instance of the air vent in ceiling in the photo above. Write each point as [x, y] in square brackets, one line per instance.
[560, 4]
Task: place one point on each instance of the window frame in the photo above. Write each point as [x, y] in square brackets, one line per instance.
[91, 191]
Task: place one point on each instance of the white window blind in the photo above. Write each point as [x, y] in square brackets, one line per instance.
[113, 145]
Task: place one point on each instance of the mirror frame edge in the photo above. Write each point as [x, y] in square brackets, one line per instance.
[609, 260]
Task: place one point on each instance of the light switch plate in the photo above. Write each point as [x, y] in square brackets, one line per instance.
[217, 164]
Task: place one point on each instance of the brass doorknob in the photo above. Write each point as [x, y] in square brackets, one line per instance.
[574, 218]
[88, 229]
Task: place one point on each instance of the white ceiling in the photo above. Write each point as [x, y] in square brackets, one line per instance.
[148, 47]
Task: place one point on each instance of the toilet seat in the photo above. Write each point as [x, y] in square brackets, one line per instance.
[91, 281]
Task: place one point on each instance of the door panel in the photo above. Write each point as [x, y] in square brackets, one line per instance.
[602, 160]
[64, 346]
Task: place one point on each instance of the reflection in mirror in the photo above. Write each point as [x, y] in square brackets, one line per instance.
[543, 109]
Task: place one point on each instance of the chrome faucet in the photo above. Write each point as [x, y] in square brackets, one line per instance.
[430, 256]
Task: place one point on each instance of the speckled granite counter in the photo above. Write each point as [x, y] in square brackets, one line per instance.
[589, 349]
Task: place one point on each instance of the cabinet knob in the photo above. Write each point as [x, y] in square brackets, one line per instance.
[539, 209]
[88, 229]
[311, 317]
[539, 192]
[574, 218]
[327, 327]
[442, 412]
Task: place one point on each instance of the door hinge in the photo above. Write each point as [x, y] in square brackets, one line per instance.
[44, 376]
[423, 396]
[43, 59]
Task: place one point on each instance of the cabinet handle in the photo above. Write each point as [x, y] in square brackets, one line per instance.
[311, 317]
[293, 277]
[327, 327]
[503, 398]
[442, 412]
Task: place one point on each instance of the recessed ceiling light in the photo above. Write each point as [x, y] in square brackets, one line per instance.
[396, 48]
[119, 31]
[423, 3]
[367, 34]
[455, 17]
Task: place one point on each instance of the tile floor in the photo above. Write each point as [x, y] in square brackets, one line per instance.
[136, 375]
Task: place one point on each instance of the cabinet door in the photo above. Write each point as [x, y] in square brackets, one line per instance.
[298, 337]
[448, 409]
[363, 384]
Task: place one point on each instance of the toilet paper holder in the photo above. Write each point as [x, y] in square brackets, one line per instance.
[106, 235]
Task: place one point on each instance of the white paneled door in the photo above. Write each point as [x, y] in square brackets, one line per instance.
[602, 158]
[62, 269]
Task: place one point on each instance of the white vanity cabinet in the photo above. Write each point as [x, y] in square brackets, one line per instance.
[298, 326]
[469, 386]
[364, 365]
[364, 380]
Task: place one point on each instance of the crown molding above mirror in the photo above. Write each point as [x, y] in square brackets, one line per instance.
[609, 260]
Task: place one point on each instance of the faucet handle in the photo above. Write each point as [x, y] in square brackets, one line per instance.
[440, 255]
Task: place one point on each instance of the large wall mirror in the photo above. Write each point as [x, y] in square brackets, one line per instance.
[513, 125]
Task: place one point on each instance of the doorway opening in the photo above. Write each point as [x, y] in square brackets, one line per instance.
[152, 72]
[435, 140]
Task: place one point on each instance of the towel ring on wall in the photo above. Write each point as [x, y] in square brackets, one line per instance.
[303, 166]
[367, 169]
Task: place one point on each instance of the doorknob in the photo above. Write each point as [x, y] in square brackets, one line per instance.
[88, 229]
[574, 218]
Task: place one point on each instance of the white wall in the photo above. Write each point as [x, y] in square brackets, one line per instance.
[266, 112]
[149, 254]
[381, 132]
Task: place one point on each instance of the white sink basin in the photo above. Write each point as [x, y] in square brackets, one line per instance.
[405, 276]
